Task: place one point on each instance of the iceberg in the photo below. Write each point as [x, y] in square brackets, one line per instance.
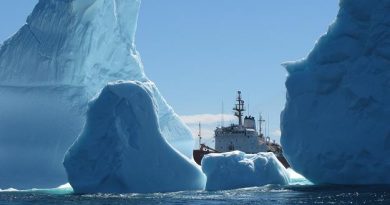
[121, 149]
[335, 125]
[232, 170]
[297, 179]
[67, 51]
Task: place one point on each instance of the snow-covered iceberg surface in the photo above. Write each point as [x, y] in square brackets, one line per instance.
[236, 169]
[335, 126]
[121, 149]
[65, 53]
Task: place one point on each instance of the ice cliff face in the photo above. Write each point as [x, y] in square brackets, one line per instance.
[335, 126]
[121, 149]
[72, 42]
[232, 170]
[66, 52]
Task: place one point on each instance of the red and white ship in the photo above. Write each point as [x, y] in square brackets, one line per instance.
[242, 136]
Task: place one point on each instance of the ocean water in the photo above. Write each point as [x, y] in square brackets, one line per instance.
[292, 194]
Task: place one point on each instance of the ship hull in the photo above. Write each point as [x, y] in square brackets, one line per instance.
[199, 154]
[283, 160]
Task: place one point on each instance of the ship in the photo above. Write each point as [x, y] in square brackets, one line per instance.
[243, 136]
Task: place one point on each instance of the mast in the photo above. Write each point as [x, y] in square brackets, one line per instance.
[239, 109]
[268, 125]
[261, 120]
[222, 115]
[200, 134]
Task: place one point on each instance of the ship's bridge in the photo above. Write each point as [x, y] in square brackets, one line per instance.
[240, 138]
[234, 129]
[243, 136]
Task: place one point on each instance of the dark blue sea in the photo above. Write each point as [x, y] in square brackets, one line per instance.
[273, 195]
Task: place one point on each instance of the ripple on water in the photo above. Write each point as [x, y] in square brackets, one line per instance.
[271, 194]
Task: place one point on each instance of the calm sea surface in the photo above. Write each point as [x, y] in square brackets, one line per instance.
[293, 194]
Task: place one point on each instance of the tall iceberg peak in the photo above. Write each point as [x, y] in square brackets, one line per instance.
[121, 149]
[67, 51]
[84, 43]
[335, 126]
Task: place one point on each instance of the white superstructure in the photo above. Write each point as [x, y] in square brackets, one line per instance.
[243, 137]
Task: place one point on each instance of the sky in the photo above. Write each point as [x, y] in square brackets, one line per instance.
[201, 52]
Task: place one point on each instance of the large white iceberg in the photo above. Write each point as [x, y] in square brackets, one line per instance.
[335, 126]
[232, 170]
[121, 149]
[65, 53]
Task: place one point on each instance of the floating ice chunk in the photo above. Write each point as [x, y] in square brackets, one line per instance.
[236, 169]
[335, 125]
[61, 190]
[8, 190]
[122, 150]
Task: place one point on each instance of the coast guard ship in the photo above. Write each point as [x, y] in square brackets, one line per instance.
[242, 136]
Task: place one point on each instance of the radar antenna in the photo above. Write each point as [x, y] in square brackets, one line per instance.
[200, 135]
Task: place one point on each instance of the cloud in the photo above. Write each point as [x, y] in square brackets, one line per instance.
[209, 122]
[276, 133]
[207, 132]
[206, 118]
